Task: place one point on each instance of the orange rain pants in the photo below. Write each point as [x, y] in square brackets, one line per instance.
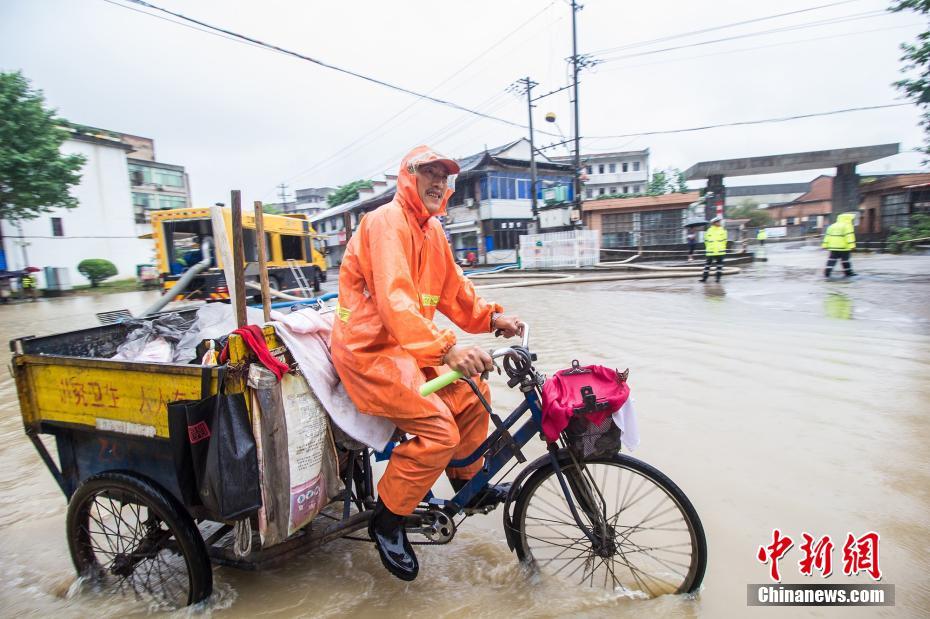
[450, 431]
[398, 270]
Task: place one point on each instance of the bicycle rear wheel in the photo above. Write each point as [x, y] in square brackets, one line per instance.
[129, 537]
[649, 537]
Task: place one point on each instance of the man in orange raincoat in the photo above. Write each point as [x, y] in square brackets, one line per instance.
[398, 270]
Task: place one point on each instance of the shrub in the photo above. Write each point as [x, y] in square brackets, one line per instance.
[903, 239]
[96, 270]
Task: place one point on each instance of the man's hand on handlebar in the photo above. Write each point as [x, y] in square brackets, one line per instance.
[508, 326]
[470, 361]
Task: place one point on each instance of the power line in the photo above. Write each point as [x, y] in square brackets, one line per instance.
[180, 23]
[250, 40]
[757, 47]
[369, 136]
[825, 22]
[721, 27]
[748, 122]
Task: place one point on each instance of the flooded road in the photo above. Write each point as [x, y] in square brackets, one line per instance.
[774, 400]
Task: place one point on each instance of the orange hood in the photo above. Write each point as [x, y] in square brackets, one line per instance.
[407, 194]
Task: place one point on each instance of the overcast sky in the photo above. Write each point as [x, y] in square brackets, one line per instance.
[239, 116]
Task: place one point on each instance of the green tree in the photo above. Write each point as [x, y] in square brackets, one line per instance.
[96, 270]
[34, 175]
[681, 185]
[749, 209]
[917, 58]
[347, 192]
[659, 184]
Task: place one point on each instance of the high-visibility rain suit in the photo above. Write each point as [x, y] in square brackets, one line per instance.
[841, 236]
[762, 235]
[839, 240]
[715, 241]
[398, 270]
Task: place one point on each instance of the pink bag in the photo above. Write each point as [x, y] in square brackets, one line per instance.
[594, 391]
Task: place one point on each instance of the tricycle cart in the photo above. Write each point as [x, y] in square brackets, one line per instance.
[574, 517]
[128, 526]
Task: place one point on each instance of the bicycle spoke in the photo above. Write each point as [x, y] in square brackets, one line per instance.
[647, 543]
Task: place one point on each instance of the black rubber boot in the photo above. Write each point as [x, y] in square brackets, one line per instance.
[387, 530]
[492, 497]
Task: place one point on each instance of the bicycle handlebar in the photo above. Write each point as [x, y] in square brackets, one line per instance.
[444, 380]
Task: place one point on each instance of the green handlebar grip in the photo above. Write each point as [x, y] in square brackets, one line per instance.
[432, 386]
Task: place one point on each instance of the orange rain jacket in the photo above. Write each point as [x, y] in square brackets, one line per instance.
[397, 271]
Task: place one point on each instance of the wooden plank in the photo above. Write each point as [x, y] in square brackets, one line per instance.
[262, 261]
[238, 258]
[222, 249]
[272, 436]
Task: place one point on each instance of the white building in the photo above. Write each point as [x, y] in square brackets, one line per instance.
[618, 173]
[101, 226]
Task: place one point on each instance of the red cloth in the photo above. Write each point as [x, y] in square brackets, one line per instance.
[562, 395]
[254, 338]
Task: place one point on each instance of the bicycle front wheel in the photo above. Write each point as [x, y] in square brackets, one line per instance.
[647, 536]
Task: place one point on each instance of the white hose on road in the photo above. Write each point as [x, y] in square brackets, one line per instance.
[579, 279]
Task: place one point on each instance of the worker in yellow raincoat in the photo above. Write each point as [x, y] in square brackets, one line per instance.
[398, 271]
[840, 240]
[715, 247]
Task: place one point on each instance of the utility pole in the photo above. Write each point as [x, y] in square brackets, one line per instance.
[528, 85]
[283, 195]
[575, 8]
[23, 244]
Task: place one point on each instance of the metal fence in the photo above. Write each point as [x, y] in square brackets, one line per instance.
[572, 249]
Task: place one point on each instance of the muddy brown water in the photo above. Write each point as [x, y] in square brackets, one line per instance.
[775, 400]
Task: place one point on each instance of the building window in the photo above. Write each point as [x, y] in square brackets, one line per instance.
[57, 228]
[517, 185]
[612, 167]
[617, 230]
[171, 202]
[789, 221]
[589, 193]
[895, 211]
[626, 189]
[169, 178]
[590, 170]
[600, 191]
[139, 175]
[141, 204]
[638, 188]
[505, 234]
[636, 166]
[613, 190]
[662, 227]
[626, 167]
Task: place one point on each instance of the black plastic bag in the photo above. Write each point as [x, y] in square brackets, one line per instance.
[220, 460]
[182, 449]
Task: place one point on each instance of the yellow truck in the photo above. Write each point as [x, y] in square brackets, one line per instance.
[290, 241]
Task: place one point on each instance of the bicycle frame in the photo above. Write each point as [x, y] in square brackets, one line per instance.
[498, 450]
[500, 447]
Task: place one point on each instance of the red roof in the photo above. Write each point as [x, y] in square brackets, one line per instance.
[821, 190]
[898, 181]
[642, 203]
